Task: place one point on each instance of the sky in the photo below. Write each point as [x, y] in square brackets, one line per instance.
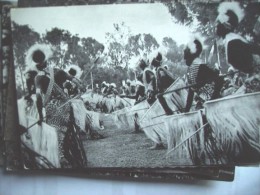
[95, 20]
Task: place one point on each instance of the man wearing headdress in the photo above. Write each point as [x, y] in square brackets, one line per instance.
[104, 87]
[127, 87]
[71, 88]
[199, 74]
[148, 80]
[238, 50]
[164, 79]
[97, 89]
[163, 76]
[132, 87]
[112, 89]
[139, 91]
[59, 114]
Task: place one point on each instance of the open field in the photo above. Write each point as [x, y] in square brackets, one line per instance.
[123, 149]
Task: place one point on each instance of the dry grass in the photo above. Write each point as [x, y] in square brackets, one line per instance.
[123, 149]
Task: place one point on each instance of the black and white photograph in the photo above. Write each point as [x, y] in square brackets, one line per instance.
[138, 85]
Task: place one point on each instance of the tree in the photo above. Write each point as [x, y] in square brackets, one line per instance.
[90, 50]
[71, 49]
[174, 53]
[141, 44]
[179, 11]
[59, 39]
[247, 24]
[116, 41]
[29, 37]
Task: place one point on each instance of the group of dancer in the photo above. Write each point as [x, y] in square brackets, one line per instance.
[54, 87]
[153, 79]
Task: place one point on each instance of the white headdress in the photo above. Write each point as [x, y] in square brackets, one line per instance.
[225, 18]
[192, 45]
[46, 50]
[231, 69]
[166, 66]
[154, 53]
[76, 68]
[113, 85]
[105, 83]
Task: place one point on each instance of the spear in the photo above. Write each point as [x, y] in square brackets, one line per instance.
[127, 101]
[139, 109]
[187, 138]
[179, 110]
[177, 89]
[57, 109]
[219, 65]
[193, 85]
[94, 63]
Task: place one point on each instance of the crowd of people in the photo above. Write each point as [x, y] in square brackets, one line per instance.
[55, 87]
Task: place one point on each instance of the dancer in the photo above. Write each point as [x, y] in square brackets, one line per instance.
[239, 52]
[164, 79]
[139, 95]
[199, 74]
[149, 81]
[59, 113]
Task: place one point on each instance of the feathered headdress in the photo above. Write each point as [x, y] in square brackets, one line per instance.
[166, 66]
[231, 70]
[105, 83]
[194, 41]
[113, 85]
[230, 13]
[141, 64]
[74, 71]
[157, 54]
[37, 54]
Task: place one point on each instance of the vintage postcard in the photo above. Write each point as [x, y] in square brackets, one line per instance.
[163, 174]
[138, 85]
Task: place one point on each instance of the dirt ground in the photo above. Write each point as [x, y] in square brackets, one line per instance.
[122, 148]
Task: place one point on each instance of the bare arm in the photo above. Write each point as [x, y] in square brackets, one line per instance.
[39, 100]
